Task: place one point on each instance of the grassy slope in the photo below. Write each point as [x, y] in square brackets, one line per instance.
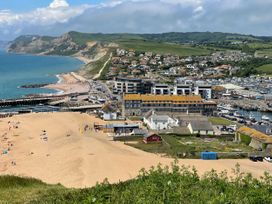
[163, 48]
[267, 69]
[137, 42]
[220, 121]
[159, 185]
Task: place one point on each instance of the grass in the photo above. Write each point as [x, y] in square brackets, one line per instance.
[245, 139]
[190, 145]
[162, 48]
[264, 53]
[160, 185]
[265, 69]
[220, 121]
[93, 68]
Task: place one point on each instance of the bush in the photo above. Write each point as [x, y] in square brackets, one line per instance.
[245, 139]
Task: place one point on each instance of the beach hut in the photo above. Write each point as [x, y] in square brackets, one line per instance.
[152, 138]
[209, 155]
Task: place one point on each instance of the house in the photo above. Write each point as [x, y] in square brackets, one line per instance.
[109, 116]
[201, 128]
[266, 129]
[152, 138]
[121, 129]
[254, 138]
[159, 122]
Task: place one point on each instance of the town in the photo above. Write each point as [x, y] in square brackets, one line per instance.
[165, 98]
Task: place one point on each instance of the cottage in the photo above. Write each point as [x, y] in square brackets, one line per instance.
[254, 138]
[152, 138]
[159, 122]
[201, 128]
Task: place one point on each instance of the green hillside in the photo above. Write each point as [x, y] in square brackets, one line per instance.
[159, 185]
[265, 69]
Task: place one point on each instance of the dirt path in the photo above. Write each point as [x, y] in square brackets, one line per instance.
[102, 69]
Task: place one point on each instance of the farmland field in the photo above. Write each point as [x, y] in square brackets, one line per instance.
[163, 48]
[264, 53]
[265, 69]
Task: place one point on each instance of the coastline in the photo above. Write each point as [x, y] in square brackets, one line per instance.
[69, 83]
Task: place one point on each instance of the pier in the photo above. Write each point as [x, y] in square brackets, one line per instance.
[28, 101]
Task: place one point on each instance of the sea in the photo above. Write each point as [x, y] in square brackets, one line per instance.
[20, 69]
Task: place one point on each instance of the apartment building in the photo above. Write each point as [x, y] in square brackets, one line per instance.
[139, 104]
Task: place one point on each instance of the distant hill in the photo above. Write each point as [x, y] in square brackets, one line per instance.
[74, 42]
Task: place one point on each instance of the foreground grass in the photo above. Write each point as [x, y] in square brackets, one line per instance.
[158, 185]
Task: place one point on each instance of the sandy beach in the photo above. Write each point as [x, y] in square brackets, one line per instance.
[70, 83]
[55, 148]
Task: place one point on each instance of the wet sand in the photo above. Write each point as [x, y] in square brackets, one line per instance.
[55, 148]
[70, 83]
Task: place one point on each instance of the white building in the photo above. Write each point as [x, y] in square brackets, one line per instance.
[160, 122]
[205, 91]
[201, 128]
[109, 116]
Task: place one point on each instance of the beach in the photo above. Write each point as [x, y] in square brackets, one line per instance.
[64, 148]
[70, 83]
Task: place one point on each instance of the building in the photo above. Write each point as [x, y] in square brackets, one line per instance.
[205, 91]
[201, 128]
[152, 138]
[266, 129]
[182, 89]
[131, 86]
[121, 129]
[140, 104]
[162, 89]
[109, 116]
[254, 139]
[159, 122]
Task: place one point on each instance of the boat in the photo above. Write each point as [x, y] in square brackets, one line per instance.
[265, 118]
[251, 117]
[238, 115]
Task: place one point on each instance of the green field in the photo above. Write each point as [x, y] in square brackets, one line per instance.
[163, 48]
[265, 69]
[159, 185]
[264, 53]
[178, 145]
[220, 121]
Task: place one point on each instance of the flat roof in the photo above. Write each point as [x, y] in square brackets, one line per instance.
[150, 97]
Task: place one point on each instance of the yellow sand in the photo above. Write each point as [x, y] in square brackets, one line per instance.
[78, 158]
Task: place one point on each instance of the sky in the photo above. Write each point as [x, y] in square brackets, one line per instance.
[55, 17]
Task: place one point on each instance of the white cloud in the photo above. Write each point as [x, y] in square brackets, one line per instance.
[58, 11]
[59, 4]
[142, 16]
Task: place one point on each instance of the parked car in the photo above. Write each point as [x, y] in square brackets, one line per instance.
[256, 158]
[269, 159]
[253, 158]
